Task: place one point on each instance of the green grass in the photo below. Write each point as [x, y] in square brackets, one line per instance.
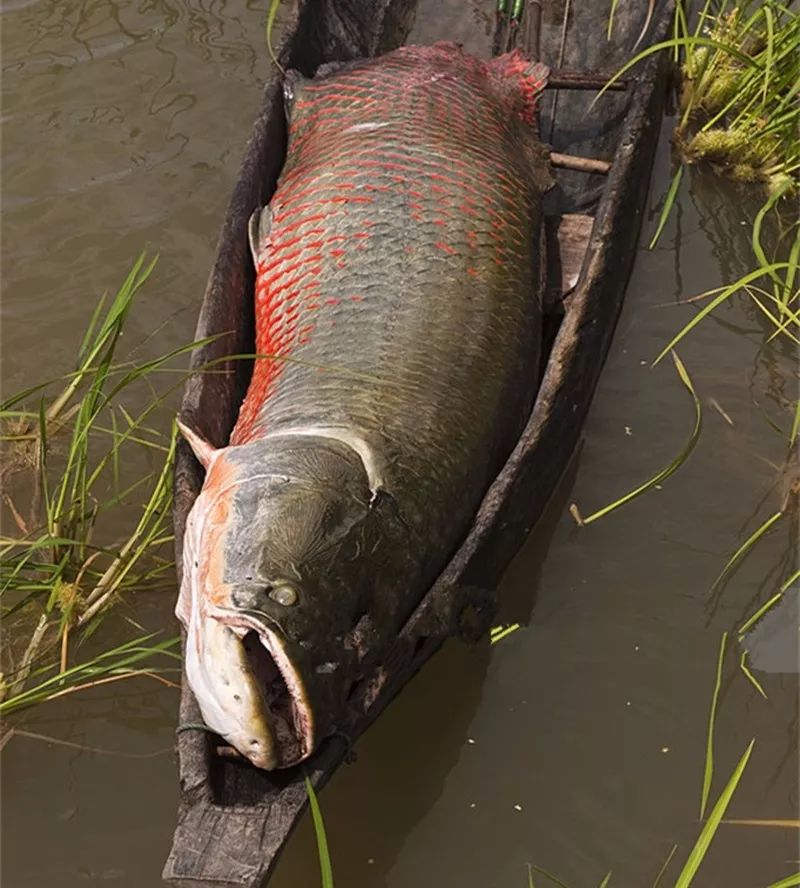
[325, 868]
[708, 770]
[697, 853]
[68, 444]
[119, 663]
[740, 68]
[662, 475]
[709, 830]
[272, 14]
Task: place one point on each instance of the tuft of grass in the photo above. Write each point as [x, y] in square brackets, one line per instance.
[740, 70]
[112, 665]
[61, 568]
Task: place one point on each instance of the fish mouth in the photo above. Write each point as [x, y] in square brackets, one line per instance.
[280, 704]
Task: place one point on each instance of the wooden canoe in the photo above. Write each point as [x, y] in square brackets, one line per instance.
[233, 819]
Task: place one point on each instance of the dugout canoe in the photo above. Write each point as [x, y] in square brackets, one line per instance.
[233, 819]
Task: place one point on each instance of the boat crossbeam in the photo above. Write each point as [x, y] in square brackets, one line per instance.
[579, 164]
[575, 78]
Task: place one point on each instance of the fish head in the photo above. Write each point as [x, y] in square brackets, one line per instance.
[272, 588]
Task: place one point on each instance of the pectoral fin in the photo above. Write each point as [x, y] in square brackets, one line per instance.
[202, 449]
[258, 229]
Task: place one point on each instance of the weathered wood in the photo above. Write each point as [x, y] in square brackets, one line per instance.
[233, 819]
[580, 164]
[564, 78]
[567, 239]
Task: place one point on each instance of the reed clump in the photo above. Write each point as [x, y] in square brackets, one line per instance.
[71, 451]
[739, 88]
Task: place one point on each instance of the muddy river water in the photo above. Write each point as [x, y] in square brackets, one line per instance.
[576, 743]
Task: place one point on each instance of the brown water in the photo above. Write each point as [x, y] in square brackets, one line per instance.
[577, 743]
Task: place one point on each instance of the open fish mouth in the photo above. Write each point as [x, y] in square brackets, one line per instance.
[273, 725]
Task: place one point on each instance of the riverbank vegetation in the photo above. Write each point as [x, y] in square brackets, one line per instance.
[83, 459]
[738, 116]
[738, 73]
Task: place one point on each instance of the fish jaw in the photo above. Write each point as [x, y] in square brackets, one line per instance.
[237, 665]
[218, 673]
[248, 690]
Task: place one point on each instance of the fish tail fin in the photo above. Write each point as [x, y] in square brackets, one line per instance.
[521, 81]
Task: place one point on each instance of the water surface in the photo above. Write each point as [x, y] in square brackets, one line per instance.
[577, 743]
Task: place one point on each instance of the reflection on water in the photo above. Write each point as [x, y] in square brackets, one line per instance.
[118, 134]
[576, 743]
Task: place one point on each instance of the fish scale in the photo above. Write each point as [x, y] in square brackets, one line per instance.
[397, 284]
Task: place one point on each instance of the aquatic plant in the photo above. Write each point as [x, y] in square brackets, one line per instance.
[694, 859]
[738, 109]
[61, 570]
[739, 68]
[325, 868]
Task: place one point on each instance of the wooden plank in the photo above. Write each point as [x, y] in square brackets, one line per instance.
[567, 239]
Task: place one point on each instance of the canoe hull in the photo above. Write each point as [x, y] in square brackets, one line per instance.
[233, 820]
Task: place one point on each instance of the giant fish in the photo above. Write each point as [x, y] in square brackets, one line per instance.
[398, 324]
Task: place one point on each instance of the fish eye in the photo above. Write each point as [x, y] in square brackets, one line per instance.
[283, 593]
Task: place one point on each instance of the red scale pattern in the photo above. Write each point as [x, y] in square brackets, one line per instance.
[363, 158]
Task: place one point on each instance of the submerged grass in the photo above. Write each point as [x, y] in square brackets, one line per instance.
[664, 473]
[62, 569]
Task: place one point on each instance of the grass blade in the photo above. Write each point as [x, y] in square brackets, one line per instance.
[724, 294]
[669, 201]
[271, 15]
[611, 14]
[746, 546]
[554, 879]
[795, 425]
[664, 866]
[788, 882]
[325, 869]
[708, 832]
[708, 770]
[751, 678]
[677, 43]
[671, 468]
[788, 582]
[498, 633]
